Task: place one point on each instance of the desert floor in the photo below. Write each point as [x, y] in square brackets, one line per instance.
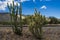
[49, 33]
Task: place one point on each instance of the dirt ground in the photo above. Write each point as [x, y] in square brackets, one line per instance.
[6, 33]
[49, 33]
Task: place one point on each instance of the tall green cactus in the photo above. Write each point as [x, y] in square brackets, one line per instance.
[36, 23]
[14, 10]
[20, 11]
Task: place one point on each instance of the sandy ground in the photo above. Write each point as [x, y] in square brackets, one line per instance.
[49, 33]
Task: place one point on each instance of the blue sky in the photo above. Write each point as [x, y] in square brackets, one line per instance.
[46, 7]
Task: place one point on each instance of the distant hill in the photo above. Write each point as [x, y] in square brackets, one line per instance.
[4, 17]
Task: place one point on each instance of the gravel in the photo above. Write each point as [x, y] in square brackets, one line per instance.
[49, 33]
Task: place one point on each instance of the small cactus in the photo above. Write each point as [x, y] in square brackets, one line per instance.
[36, 23]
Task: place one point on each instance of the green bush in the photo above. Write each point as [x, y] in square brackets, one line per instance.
[35, 24]
[8, 23]
[5, 23]
[53, 20]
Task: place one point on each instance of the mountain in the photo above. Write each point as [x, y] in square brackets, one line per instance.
[4, 17]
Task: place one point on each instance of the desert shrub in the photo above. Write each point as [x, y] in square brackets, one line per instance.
[53, 20]
[9, 23]
[36, 22]
[5, 23]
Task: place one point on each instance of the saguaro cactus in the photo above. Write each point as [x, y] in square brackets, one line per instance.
[36, 23]
[14, 10]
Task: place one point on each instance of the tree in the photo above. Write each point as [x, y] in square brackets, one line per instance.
[14, 10]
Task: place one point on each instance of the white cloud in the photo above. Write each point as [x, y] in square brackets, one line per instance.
[45, 0]
[43, 7]
[24, 0]
[10, 2]
[3, 4]
[2, 8]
